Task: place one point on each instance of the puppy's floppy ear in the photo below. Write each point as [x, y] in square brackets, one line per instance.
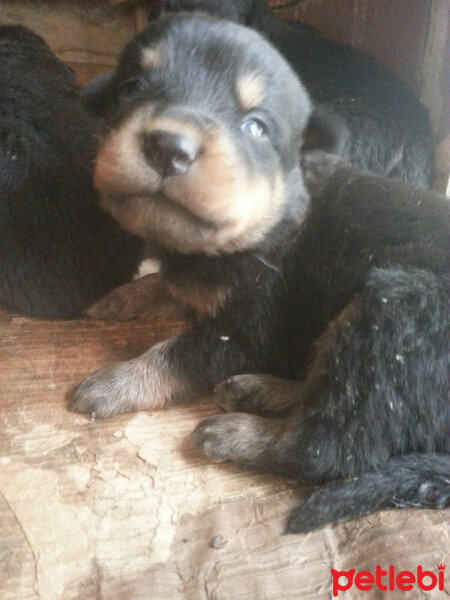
[325, 131]
[97, 92]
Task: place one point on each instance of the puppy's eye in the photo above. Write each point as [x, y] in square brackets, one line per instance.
[254, 127]
[130, 88]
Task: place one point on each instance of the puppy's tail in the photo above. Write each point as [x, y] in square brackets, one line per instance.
[408, 481]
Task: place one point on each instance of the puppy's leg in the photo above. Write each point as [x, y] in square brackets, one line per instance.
[265, 444]
[378, 388]
[144, 297]
[169, 372]
[286, 446]
[147, 382]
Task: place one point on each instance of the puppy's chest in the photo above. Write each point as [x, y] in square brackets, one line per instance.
[227, 292]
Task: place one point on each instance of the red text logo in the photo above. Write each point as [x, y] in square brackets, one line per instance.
[388, 580]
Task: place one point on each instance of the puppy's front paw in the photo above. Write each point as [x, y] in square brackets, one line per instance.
[105, 393]
[234, 437]
[146, 382]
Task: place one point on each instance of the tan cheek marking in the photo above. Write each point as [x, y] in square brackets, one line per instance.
[134, 214]
[251, 90]
[252, 210]
[219, 188]
[151, 58]
[206, 188]
[120, 164]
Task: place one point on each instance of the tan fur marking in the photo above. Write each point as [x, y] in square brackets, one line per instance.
[202, 300]
[341, 324]
[264, 394]
[120, 165]
[251, 90]
[218, 188]
[318, 370]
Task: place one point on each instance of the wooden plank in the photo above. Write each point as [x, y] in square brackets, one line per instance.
[80, 33]
[125, 509]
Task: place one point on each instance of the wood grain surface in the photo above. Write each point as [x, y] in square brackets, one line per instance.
[124, 509]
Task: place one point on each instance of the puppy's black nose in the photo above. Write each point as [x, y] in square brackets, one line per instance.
[169, 153]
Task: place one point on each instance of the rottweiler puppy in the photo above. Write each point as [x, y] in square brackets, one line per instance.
[58, 251]
[388, 129]
[330, 286]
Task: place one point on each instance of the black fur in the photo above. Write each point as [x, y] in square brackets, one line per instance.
[58, 251]
[346, 295]
[389, 131]
[410, 481]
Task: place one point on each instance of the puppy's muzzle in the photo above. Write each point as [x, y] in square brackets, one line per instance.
[169, 153]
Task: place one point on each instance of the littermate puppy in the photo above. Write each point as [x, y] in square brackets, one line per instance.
[58, 251]
[332, 287]
[388, 131]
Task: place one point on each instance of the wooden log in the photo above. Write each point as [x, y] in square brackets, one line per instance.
[124, 509]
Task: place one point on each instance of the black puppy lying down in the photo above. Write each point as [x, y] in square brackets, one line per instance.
[388, 131]
[337, 297]
[58, 251]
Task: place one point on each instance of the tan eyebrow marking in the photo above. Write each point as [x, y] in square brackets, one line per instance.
[251, 90]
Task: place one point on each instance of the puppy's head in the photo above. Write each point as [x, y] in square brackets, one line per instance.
[206, 121]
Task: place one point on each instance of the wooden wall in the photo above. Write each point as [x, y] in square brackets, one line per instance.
[90, 33]
[392, 30]
[86, 34]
